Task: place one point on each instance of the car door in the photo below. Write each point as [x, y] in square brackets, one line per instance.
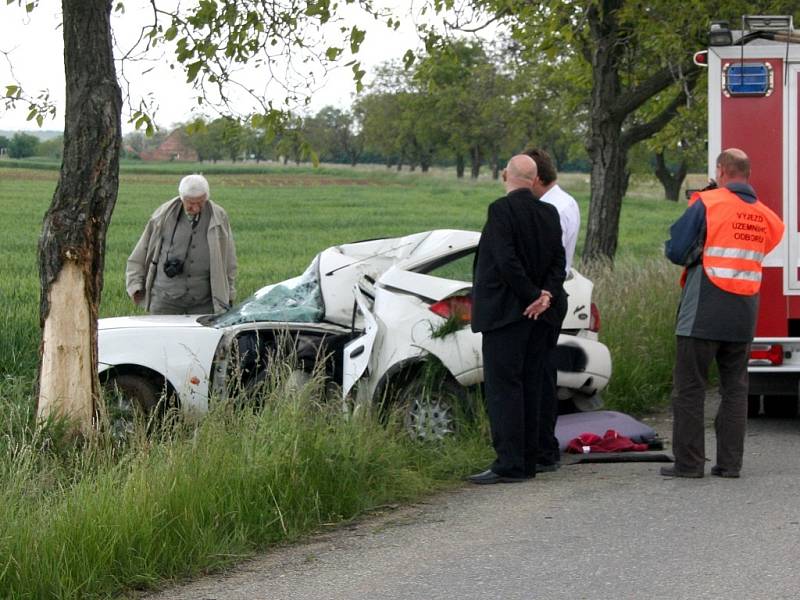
[358, 352]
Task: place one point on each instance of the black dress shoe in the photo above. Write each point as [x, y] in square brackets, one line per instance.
[673, 472]
[547, 468]
[718, 471]
[488, 477]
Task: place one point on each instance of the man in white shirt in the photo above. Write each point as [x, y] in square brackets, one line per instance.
[549, 191]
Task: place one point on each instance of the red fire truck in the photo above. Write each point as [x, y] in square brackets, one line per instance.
[754, 104]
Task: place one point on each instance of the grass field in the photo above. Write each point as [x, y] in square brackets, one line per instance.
[103, 518]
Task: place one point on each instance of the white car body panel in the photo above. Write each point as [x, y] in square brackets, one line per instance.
[406, 325]
[356, 356]
[175, 346]
[425, 286]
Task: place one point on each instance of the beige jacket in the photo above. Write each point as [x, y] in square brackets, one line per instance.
[142, 263]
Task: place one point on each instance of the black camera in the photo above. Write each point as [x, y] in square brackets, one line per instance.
[173, 267]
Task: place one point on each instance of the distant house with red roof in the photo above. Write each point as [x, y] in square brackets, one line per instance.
[175, 147]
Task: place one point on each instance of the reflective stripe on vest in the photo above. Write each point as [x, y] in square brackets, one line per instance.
[733, 274]
[734, 253]
[738, 237]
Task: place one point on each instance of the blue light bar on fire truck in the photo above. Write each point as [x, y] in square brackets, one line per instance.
[747, 79]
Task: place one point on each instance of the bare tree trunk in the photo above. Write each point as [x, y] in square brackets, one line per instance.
[672, 182]
[460, 165]
[72, 244]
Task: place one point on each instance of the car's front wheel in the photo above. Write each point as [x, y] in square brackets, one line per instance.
[129, 397]
[429, 406]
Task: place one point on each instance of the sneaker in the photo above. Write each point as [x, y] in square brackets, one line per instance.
[718, 471]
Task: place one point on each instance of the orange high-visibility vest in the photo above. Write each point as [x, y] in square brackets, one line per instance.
[739, 235]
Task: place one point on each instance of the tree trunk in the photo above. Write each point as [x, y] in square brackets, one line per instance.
[72, 244]
[460, 165]
[604, 146]
[672, 182]
[610, 106]
[495, 165]
[476, 159]
[607, 186]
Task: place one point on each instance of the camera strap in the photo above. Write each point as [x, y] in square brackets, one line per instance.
[195, 221]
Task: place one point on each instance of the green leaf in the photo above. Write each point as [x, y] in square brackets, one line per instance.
[356, 37]
[12, 91]
[170, 34]
[192, 70]
[333, 53]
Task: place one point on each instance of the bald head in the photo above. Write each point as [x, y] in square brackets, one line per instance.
[732, 165]
[520, 173]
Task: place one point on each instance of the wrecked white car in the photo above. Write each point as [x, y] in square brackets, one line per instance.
[374, 312]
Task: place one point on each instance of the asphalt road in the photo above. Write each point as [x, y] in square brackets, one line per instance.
[602, 531]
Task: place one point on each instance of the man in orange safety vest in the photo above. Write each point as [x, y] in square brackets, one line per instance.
[721, 240]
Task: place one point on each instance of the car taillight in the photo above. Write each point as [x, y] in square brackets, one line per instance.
[457, 307]
[594, 318]
[766, 355]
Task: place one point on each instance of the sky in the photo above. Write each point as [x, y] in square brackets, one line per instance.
[31, 49]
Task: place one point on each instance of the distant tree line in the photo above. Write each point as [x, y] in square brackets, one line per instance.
[24, 145]
[459, 107]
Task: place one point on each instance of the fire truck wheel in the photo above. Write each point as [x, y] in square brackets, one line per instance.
[780, 406]
[753, 406]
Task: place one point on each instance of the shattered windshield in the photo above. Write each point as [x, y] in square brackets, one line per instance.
[297, 300]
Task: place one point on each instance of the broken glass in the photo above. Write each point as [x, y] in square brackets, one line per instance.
[297, 300]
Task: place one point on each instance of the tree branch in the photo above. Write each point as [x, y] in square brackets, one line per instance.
[633, 99]
[643, 131]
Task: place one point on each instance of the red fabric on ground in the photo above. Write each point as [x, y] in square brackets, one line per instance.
[610, 442]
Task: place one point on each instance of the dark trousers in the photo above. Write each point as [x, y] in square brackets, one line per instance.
[513, 366]
[690, 377]
[549, 451]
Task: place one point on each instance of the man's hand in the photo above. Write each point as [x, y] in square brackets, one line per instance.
[538, 306]
[138, 296]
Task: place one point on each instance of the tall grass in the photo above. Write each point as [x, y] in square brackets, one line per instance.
[96, 520]
[638, 301]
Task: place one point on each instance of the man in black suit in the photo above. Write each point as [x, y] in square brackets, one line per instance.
[518, 301]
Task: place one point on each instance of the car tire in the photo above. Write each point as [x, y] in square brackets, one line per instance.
[780, 407]
[128, 398]
[428, 406]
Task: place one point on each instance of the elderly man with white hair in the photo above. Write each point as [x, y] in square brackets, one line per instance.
[185, 260]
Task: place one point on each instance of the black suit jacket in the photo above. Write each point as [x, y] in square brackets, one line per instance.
[519, 255]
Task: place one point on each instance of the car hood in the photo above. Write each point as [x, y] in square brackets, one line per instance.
[148, 321]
